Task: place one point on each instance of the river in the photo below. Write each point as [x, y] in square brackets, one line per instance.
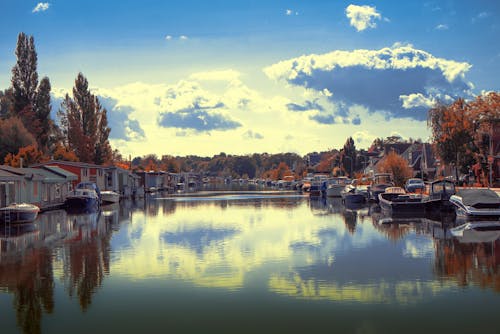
[244, 262]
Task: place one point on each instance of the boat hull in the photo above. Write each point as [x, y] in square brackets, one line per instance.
[109, 197]
[402, 204]
[81, 203]
[21, 213]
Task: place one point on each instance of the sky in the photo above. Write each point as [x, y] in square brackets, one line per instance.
[204, 77]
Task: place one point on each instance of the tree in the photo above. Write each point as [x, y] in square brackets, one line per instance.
[13, 136]
[396, 165]
[24, 73]
[62, 153]
[29, 155]
[348, 156]
[452, 128]
[42, 113]
[84, 124]
[244, 165]
[6, 103]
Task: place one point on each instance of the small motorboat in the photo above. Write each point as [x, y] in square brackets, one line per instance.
[109, 197]
[480, 231]
[476, 203]
[379, 183]
[397, 201]
[336, 185]
[19, 213]
[86, 196]
[352, 195]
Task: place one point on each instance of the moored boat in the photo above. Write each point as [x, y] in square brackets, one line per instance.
[440, 192]
[86, 196]
[476, 203]
[19, 213]
[352, 195]
[336, 185]
[109, 197]
[380, 182]
[397, 201]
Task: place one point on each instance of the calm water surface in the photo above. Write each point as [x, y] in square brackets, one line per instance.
[244, 263]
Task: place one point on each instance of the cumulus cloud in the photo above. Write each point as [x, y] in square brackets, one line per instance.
[168, 37]
[362, 17]
[252, 135]
[381, 80]
[290, 12]
[183, 37]
[122, 126]
[308, 105]
[187, 106]
[416, 100]
[41, 7]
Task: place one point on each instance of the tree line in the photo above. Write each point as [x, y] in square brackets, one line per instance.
[27, 130]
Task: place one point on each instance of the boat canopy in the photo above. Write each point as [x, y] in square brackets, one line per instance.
[473, 197]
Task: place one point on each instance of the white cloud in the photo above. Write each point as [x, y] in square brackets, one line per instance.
[362, 17]
[290, 12]
[385, 77]
[417, 100]
[41, 7]
[183, 37]
[442, 27]
[168, 37]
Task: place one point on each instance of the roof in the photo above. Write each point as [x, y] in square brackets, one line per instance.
[27, 173]
[62, 172]
[7, 176]
[68, 163]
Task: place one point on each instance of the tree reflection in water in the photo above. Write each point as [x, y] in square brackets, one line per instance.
[86, 256]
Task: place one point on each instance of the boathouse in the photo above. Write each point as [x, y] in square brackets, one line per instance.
[85, 172]
[9, 185]
[46, 187]
[124, 182]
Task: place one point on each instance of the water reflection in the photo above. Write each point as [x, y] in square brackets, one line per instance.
[74, 247]
[285, 246]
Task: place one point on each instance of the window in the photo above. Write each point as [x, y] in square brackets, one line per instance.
[58, 191]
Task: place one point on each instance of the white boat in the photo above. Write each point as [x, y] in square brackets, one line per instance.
[109, 197]
[476, 203]
[481, 231]
[19, 213]
[336, 185]
[86, 196]
[352, 195]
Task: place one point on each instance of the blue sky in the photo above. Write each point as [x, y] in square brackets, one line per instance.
[203, 77]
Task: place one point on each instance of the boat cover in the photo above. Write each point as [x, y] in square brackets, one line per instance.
[472, 197]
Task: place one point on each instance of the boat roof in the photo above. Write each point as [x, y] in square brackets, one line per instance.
[472, 197]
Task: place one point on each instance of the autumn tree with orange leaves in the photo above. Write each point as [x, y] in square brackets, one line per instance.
[396, 165]
[461, 131]
[29, 155]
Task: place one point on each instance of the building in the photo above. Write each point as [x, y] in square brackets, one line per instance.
[85, 172]
[47, 186]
